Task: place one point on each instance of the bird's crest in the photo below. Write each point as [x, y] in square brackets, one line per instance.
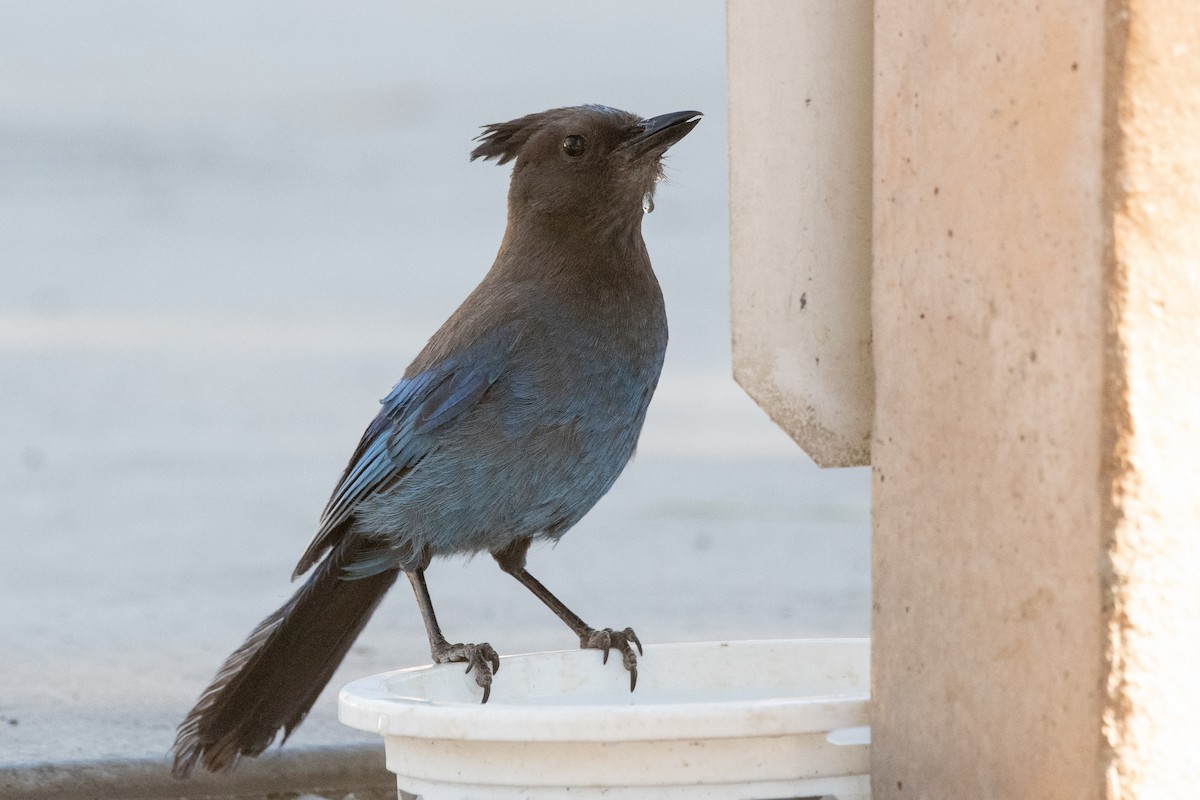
[503, 140]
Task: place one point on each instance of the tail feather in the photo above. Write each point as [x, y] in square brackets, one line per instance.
[273, 679]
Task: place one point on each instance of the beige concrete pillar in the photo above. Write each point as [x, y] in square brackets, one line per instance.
[800, 218]
[1036, 453]
[1035, 306]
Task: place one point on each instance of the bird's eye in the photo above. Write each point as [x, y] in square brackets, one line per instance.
[574, 146]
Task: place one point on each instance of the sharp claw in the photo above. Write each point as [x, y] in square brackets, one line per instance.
[481, 658]
[624, 641]
[631, 636]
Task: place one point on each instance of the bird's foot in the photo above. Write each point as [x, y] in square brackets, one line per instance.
[479, 657]
[609, 639]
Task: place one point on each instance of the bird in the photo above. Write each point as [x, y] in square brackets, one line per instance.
[515, 418]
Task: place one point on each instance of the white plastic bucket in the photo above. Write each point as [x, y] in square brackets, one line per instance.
[748, 720]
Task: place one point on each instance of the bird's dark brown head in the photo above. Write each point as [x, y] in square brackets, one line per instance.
[587, 166]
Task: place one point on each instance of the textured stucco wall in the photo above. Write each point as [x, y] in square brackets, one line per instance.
[1035, 308]
[988, 305]
[1152, 723]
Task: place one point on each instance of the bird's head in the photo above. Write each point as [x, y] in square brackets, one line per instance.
[587, 166]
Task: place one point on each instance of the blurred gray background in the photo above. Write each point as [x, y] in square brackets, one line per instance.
[225, 228]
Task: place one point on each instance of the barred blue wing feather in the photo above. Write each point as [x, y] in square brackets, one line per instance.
[406, 427]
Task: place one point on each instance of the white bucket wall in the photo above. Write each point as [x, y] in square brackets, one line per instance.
[711, 721]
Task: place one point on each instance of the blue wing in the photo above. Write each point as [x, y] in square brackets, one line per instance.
[405, 429]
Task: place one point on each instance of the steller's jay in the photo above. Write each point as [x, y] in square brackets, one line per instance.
[516, 417]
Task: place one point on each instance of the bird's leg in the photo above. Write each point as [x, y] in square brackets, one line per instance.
[512, 560]
[479, 657]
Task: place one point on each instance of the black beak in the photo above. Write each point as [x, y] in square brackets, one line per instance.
[658, 133]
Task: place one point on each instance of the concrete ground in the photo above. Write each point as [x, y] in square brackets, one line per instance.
[227, 227]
